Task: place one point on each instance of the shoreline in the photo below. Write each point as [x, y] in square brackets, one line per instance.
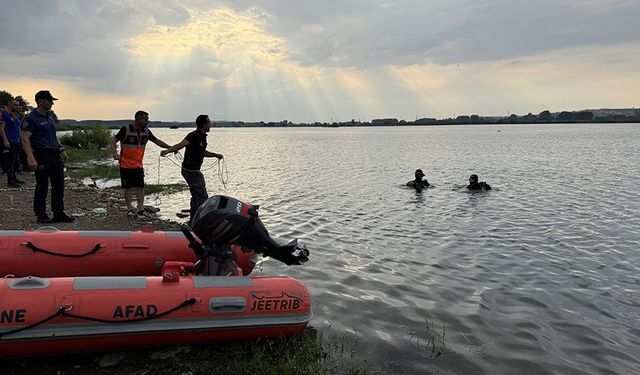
[80, 201]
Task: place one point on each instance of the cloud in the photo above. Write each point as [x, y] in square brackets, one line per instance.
[302, 61]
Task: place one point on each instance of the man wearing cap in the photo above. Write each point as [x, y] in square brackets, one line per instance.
[133, 139]
[46, 156]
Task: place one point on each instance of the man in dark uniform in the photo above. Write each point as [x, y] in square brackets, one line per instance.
[196, 144]
[475, 185]
[46, 156]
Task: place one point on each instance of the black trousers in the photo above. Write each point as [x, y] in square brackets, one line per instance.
[50, 168]
[9, 162]
[197, 188]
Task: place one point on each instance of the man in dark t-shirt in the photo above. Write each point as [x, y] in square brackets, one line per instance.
[196, 150]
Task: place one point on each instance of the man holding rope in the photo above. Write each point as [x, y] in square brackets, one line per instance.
[196, 144]
[133, 139]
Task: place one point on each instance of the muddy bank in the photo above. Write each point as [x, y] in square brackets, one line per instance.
[94, 209]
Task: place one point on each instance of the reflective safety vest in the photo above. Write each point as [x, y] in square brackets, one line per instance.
[132, 147]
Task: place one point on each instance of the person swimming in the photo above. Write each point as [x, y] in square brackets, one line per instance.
[418, 183]
[475, 185]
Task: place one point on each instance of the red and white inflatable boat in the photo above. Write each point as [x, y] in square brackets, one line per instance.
[41, 316]
[189, 303]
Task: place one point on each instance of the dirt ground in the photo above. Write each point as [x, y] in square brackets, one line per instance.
[16, 208]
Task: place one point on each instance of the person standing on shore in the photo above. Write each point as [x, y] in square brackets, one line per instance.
[6, 146]
[12, 130]
[133, 139]
[195, 152]
[46, 156]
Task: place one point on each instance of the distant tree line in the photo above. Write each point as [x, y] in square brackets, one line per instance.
[587, 116]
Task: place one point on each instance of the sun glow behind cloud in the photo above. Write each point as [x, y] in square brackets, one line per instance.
[234, 65]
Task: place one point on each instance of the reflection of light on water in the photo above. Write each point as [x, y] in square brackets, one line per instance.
[101, 183]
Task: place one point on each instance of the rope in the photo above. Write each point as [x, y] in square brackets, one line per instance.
[223, 172]
[63, 311]
[104, 184]
[58, 313]
[36, 249]
[185, 303]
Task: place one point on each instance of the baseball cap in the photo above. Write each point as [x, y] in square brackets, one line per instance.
[44, 94]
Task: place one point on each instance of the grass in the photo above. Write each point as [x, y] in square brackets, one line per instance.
[83, 155]
[150, 189]
[303, 354]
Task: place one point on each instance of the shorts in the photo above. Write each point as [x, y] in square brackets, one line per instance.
[130, 178]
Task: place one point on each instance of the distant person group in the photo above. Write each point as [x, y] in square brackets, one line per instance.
[419, 183]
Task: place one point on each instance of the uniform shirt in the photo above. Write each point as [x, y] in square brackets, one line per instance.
[12, 129]
[43, 130]
[194, 152]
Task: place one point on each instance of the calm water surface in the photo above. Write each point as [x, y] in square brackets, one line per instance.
[538, 276]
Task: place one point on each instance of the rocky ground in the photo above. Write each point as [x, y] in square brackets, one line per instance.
[94, 209]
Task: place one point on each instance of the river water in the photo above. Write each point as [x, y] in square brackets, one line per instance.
[538, 276]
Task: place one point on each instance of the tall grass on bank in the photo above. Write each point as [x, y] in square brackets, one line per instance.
[90, 138]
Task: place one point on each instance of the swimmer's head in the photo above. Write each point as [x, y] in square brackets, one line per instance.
[419, 173]
[473, 178]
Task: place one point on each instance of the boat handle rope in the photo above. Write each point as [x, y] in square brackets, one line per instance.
[63, 311]
[35, 249]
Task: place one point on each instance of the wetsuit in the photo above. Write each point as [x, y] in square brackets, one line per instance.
[418, 184]
[479, 186]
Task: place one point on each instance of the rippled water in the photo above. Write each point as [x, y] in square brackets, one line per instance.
[538, 276]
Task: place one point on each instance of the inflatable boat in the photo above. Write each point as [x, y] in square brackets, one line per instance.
[228, 230]
[41, 316]
[189, 302]
[48, 252]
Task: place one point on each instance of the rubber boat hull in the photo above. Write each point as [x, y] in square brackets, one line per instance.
[108, 313]
[108, 253]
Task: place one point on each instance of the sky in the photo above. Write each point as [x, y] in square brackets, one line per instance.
[328, 60]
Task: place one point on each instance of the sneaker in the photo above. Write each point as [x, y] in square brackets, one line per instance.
[44, 219]
[19, 181]
[14, 184]
[62, 218]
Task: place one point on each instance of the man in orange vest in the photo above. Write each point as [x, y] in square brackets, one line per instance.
[133, 139]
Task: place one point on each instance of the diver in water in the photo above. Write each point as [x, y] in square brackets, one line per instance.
[475, 185]
[418, 183]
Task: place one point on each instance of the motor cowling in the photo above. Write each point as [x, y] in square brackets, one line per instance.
[224, 220]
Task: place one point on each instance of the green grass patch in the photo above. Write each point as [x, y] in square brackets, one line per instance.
[97, 171]
[85, 155]
[150, 189]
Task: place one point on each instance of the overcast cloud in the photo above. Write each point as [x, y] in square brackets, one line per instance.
[312, 60]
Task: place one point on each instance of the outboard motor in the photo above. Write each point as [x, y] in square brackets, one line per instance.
[222, 220]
